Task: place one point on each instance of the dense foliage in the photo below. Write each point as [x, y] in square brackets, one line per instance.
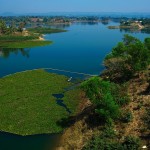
[45, 30]
[147, 118]
[128, 57]
[14, 37]
[23, 44]
[104, 96]
[11, 29]
[17, 38]
[103, 143]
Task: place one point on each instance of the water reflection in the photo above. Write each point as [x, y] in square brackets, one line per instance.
[146, 30]
[88, 23]
[134, 30]
[60, 26]
[50, 25]
[128, 30]
[5, 52]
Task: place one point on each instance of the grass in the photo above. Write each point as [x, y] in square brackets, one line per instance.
[17, 38]
[27, 106]
[70, 95]
[18, 41]
[23, 44]
[45, 30]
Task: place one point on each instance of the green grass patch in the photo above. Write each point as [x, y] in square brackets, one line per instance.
[27, 105]
[69, 95]
[45, 30]
[23, 44]
[17, 38]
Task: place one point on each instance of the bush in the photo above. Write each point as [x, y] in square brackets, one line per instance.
[100, 143]
[104, 96]
[120, 94]
[147, 118]
[99, 92]
[108, 132]
[128, 57]
[126, 116]
[131, 143]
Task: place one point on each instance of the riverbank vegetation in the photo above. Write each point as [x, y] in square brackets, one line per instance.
[23, 44]
[127, 58]
[134, 25]
[118, 116]
[28, 106]
[42, 30]
[20, 37]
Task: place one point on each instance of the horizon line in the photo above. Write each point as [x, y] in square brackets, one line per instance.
[76, 12]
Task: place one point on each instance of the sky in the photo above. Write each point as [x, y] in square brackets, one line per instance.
[45, 6]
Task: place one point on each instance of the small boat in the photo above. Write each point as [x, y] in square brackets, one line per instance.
[69, 79]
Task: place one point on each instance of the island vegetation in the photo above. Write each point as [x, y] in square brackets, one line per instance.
[42, 30]
[20, 37]
[133, 25]
[28, 105]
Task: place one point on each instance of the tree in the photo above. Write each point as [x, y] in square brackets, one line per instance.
[3, 27]
[130, 56]
[12, 28]
[147, 43]
[21, 26]
[103, 95]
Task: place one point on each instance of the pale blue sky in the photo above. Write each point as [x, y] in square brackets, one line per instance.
[42, 6]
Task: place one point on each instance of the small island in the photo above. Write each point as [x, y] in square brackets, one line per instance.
[29, 105]
[138, 24]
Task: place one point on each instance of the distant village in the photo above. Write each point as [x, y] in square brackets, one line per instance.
[71, 19]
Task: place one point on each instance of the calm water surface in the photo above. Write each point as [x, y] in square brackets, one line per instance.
[81, 49]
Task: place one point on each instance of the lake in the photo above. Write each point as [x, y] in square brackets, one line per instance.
[81, 49]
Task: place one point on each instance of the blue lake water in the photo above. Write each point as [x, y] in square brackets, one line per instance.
[81, 49]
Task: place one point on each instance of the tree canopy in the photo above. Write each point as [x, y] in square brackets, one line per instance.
[128, 57]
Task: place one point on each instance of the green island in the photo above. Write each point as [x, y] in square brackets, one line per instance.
[27, 103]
[42, 30]
[23, 44]
[19, 37]
[133, 24]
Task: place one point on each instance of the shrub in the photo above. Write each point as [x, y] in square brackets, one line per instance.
[126, 116]
[104, 96]
[131, 143]
[108, 132]
[147, 118]
[100, 94]
[128, 57]
[100, 143]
